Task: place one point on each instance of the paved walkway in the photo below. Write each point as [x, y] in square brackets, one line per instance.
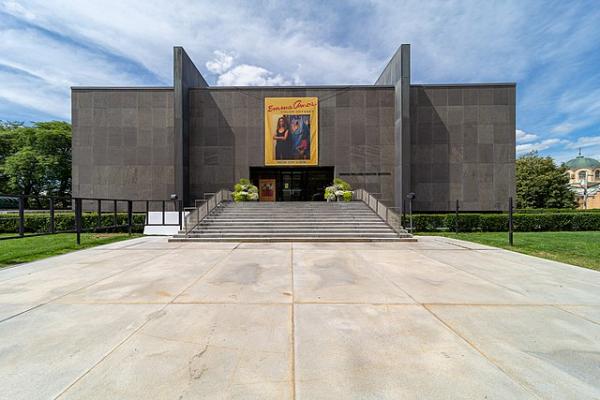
[437, 319]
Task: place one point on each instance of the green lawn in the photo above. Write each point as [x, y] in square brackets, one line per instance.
[577, 248]
[16, 251]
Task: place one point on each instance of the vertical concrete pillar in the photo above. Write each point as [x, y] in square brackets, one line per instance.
[397, 74]
[185, 77]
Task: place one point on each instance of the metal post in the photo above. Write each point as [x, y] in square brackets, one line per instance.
[99, 217]
[21, 216]
[456, 222]
[129, 215]
[78, 220]
[147, 212]
[163, 212]
[510, 221]
[115, 213]
[52, 227]
[180, 209]
[410, 214]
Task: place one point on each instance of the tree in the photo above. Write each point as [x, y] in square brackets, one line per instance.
[542, 184]
[25, 171]
[35, 159]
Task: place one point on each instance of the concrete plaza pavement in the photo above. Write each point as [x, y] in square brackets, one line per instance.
[435, 319]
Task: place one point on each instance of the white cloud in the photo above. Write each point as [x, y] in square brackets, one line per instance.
[524, 137]
[251, 75]
[565, 127]
[221, 63]
[584, 141]
[15, 8]
[240, 43]
[538, 146]
[230, 74]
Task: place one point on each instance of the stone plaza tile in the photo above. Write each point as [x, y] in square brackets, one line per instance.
[298, 320]
[389, 352]
[341, 277]
[159, 280]
[245, 276]
[553, 353]
[591, 313]
[45, 350]
[224, 351]
[429, 281]
[539, 281]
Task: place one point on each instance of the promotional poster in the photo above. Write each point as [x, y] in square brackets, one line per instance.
[291, 131]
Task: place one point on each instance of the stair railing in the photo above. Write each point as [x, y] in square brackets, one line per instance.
[202, 208]
[386, 213]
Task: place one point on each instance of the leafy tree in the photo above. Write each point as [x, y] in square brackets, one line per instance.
[35, 159]
[541, 183]
[25, 171]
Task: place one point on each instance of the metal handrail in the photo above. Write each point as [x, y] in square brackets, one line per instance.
[202, 208]
[386, 213]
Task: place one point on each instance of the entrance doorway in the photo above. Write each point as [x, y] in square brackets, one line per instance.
[292, 183]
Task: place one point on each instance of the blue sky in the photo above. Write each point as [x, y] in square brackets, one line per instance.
[551, 49]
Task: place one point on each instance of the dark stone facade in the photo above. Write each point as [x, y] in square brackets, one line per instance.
[356, 134]
[443, 142]
[463, 146]
[123, 143]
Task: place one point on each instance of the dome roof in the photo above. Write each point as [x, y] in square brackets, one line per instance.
[581, 162]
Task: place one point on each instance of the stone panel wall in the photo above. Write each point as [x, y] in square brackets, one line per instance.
[463, 146]
[356, 135]
[123, 143]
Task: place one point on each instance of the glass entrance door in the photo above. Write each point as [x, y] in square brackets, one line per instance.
[293, 183]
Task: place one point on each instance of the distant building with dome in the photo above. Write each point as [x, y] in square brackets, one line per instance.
[584, 179]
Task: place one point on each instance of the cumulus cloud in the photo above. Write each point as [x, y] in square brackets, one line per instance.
[538, 146]
[229, 74]
[251, 75]
[221, 63]
[524, 137]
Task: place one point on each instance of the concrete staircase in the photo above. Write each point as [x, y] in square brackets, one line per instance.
[292, 221]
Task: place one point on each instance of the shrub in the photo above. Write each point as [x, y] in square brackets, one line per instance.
[40, 222]
[339, 190]
[244, 190]
[528, 222]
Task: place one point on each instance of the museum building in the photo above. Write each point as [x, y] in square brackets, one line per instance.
[442, 142]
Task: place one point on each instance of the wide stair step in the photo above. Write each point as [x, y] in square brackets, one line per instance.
[293, 221]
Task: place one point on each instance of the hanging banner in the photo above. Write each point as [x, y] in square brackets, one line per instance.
[291, 131]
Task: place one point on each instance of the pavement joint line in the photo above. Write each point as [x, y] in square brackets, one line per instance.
[217, 262]
[293, 322]
[20, 313]
[478, 350]
[502, 250]
[385, 278]
[575, 314]
[139, 328]
[325, 302]
[52, 300]
[45, 268]
[473, 274]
